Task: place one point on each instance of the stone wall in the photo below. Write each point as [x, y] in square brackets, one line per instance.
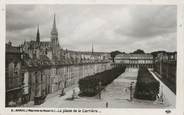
[52, 79]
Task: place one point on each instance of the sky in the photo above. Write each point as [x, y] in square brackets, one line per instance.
[108, 27]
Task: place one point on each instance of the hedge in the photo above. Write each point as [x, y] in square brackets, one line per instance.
[147, 87]
[89, 86]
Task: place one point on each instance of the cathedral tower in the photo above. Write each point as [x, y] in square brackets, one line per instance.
[54, 40]
[54, 34]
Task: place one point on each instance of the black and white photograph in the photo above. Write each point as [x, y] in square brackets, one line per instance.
[91, 56]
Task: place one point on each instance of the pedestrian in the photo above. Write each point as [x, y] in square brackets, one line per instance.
[125, 90]
[62, 92]
[107, 104]
[73, 95]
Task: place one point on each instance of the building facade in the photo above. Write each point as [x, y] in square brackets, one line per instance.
[135, 60]
[13, 75]
[165, 65]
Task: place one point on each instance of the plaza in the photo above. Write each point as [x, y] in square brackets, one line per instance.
[115, 95]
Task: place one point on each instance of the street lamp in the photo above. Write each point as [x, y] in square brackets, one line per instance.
[99, 85]
[161, 59]
[131, 91]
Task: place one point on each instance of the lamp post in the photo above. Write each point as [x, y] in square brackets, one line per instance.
[161, 94]
[131, 91]
[161, 65]
[100, 85]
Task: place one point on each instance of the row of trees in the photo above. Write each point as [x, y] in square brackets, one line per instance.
[147, 87]
[92, 85]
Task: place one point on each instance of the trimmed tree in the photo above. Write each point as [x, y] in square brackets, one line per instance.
[147, 87]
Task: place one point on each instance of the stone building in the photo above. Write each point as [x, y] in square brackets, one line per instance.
[13, 75]
[46, 68]
[165, 65]
[135, 60]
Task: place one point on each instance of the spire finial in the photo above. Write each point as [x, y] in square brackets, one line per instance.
[92, 48]
[38, 34]
[38, 29]
[54, 24]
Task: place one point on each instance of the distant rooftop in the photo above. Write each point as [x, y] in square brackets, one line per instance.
[12, 49]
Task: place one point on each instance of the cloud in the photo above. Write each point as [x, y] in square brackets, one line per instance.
[150, 21]
[109, 27]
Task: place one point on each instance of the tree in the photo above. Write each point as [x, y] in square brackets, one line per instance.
[139, 51]
[114, 53]
[155, 53]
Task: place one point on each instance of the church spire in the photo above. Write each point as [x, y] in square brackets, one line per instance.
[38, 35]
[54, 24]
[54, 29]
[92, 49]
